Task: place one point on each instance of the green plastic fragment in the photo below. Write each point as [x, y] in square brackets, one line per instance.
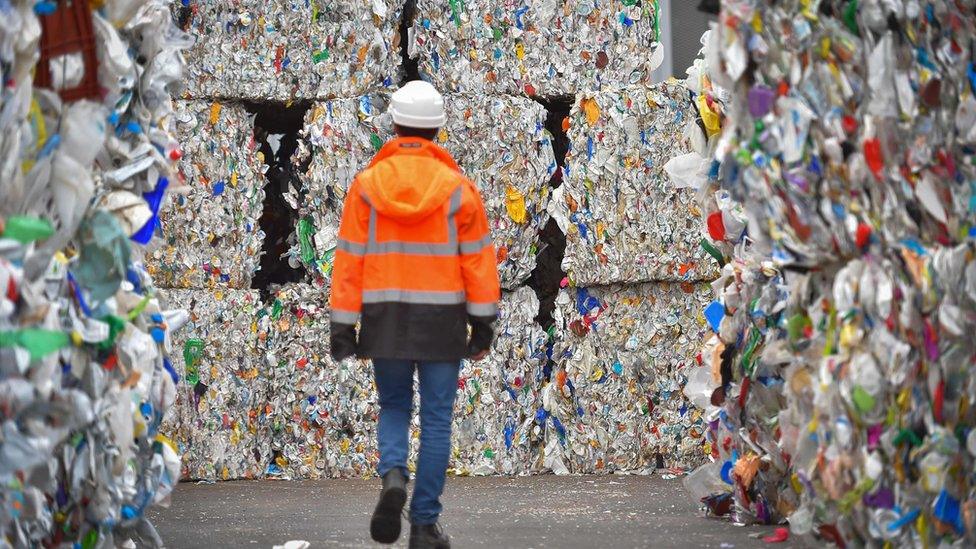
[276, 309]
[192, 354]
[850, 17]
[37, 341]
[748, 362]
[907, 435]
[489, 453]
[376, 142]
[116, 325]
[713, 251]
[863, 400]
[455, 15]
[90, 541]
[321, 55]
[497, 33]
[795, 326]
[305, 231]
[26, 229]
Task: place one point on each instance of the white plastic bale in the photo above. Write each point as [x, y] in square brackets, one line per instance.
[614, 402]
[623, 218]
[287, 49]
[210, 230]
[546, 48]
[217, 420]
[498, 397]
[321, 414]
[500, 142]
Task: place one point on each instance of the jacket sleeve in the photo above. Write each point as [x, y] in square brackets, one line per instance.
[478, 269]
[346, 301]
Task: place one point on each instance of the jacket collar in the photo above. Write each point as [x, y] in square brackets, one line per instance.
[415, 146]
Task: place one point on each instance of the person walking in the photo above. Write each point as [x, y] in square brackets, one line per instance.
[414, 267]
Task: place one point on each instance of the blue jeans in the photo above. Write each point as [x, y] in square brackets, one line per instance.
[438, 387]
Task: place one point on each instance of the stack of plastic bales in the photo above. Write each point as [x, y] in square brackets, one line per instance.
[615, 403]
[842, 361]
[630, 322]
[495, 429]
[86, 154]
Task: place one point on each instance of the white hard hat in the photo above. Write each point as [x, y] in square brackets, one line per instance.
[417, 105]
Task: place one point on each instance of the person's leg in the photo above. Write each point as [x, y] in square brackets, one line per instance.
[394, 383]
[438, 387]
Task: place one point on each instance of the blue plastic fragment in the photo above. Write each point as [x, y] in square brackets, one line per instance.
[714, 313]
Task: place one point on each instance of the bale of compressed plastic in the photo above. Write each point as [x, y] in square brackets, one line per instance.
[321, 415]
[494, 426]
[614, 399]
[546, 48]
[209, 226]
[843, 320]
[86, 144]
[217, 422]
[499, 142]
[623, 219]
[282, 50]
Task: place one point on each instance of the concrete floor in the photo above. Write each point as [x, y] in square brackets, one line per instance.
[523, 512]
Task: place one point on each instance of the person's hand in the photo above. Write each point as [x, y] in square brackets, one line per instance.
[478, 357]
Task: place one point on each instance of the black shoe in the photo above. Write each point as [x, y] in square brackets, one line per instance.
[428, 536]
[385, 525]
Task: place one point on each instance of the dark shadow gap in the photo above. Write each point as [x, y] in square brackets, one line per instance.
[281, 123]
[548, 272]
[409, 68]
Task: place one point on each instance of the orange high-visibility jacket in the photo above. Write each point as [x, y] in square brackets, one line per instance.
[415, 261]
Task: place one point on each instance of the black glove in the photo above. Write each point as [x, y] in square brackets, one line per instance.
[481, 334]
[342, 340]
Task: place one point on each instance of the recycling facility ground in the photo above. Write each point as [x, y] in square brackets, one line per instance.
[514, 512]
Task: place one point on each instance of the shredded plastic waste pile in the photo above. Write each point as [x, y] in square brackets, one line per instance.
[839, 379]
[210, 224]
[87, 152]
[500, 143]
[547, 48]
[285, 49]
[623, 219]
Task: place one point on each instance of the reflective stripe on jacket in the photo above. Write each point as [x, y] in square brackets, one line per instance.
[414, 263]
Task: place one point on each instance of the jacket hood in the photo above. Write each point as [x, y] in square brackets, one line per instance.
[409, 179]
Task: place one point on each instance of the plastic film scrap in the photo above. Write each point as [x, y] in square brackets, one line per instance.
[840, 368]
[210, 226]
[624, 221]
[613, 402]
[218, 422]
[285, 49]
[500, 143]
[86, 348]
[545, 48]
